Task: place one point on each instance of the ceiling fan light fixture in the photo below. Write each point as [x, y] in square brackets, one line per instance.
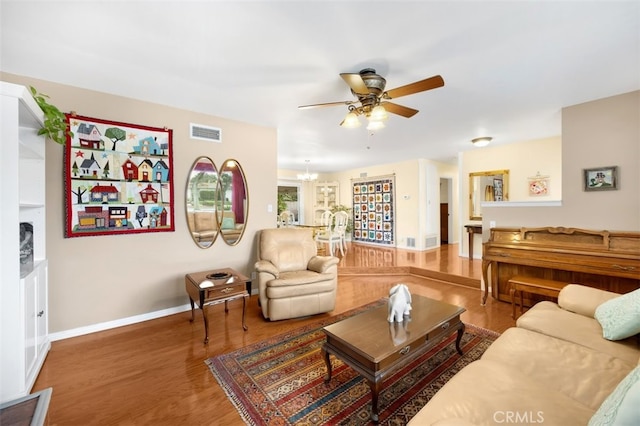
[378, 113]
[375, 125]
[480, 142]
[351, 121]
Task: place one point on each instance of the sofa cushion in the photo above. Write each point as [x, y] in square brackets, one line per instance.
[452, 422]
[621, 407]
[550, 319]
[584, 374]
[485, 392]
[228, 223]
[582, 299]
[205, 221]
[628, 412]
[620, 316]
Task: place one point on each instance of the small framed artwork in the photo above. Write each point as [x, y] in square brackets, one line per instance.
[601, 178]
[497, 190]
[538, 185]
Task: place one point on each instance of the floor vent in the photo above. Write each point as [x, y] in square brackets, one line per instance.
[431, 242]
[411, 242]
[206, 133]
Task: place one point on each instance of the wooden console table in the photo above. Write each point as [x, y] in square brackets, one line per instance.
[472, 230]
[216, 286]
[602, 259]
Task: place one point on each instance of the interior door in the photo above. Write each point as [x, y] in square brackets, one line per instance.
[444, 223]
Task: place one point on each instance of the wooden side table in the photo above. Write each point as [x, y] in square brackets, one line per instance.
[216, 286]
[533, 285]
[472, 230]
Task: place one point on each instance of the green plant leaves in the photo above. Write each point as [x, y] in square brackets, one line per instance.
[55, 126]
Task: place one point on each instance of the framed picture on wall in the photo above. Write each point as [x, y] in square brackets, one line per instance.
[538, 185]
[601, 178]
[497, 190]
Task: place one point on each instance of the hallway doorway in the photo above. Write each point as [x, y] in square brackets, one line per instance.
[446, 216]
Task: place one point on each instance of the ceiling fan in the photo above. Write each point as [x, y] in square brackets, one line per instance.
[372, 99]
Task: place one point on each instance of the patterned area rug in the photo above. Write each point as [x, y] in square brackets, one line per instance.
[280, 381]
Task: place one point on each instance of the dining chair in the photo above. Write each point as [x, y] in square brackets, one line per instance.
[335, 234]
[286, 219]
[321, 216]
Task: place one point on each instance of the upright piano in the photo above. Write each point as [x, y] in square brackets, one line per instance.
[603, 259]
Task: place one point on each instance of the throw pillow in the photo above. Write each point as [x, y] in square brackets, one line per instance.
[228, 223]
[620, 316]
[621, 406]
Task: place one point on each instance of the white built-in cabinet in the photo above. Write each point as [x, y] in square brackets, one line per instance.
[325, 195]
[23, 290]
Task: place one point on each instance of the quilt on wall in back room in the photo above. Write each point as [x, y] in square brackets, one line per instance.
[373, 210]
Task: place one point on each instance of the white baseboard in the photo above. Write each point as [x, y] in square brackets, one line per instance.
[80, 331]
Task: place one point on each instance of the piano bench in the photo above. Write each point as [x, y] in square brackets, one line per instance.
[521, 283]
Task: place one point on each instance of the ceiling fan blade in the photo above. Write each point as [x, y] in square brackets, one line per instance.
[326, 104]
[356, 83]
[419, 86]
[399, 109]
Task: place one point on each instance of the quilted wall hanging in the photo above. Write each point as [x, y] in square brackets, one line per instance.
[118, 178]
[374, 210]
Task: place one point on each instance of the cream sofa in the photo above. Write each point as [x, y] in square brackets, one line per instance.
[553, 368]
[204, 226]
[292, 280]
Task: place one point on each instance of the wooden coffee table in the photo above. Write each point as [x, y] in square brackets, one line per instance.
[375, 348]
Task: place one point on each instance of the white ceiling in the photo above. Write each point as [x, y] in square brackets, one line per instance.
[509, 67]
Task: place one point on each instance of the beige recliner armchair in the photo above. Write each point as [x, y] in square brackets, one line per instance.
[293, 281]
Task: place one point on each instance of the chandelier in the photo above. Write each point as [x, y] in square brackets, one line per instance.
[307, 176]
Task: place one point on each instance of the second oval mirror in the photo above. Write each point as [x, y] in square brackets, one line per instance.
[201, 196]
[233, 202]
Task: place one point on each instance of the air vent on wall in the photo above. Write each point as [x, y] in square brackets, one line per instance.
[431, 241]
[206, 133]
[411, 242]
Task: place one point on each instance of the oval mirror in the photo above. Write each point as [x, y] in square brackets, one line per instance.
[200, 201]
[233, 202]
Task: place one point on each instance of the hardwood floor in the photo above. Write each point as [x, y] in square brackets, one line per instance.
[154, 372]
